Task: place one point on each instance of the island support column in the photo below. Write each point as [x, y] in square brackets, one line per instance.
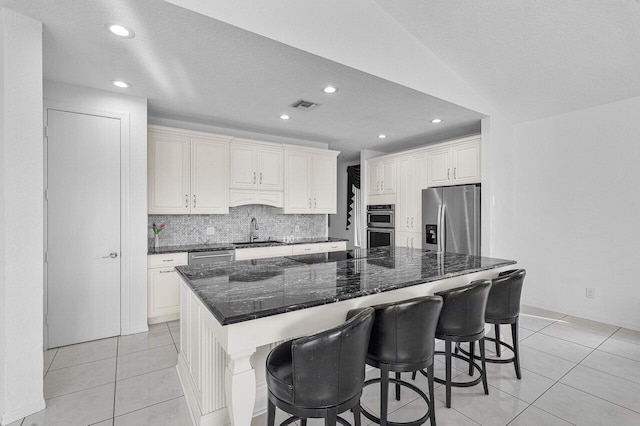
[240, 388]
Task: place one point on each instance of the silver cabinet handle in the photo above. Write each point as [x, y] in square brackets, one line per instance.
[315, 203]
[167, 260]
[382, 185]
[260, 178]
[407, 221]
[309, 202]
[254, 177]
[448, 170]
[194, 201]
[412, 224]
[112, 255]
[454, 172]
[209, 256]
[186, 200]
[407, 242]
[166, 272]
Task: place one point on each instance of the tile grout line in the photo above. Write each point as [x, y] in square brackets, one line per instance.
[115, 384]
[599, 397]
[148, 406]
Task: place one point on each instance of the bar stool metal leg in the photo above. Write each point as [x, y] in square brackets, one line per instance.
[271, 413]
[356, 415]
[384, 394]
[447, 349]
[397, 387]
[484, 367]
[303, 422]
[472, 349]
[516, 348]
[496, 327]
[432, 405]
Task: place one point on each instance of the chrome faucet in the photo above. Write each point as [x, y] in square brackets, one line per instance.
[253, 227]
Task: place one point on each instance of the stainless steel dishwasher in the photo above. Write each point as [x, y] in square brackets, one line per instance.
[209, 257]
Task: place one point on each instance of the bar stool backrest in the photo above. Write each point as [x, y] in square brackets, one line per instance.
[328, 367]
[504, 297]
[464, 309]
[404, 332]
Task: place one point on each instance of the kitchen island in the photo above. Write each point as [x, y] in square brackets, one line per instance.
[233, 313]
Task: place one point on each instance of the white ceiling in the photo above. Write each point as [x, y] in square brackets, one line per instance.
[193, 68]
[532, 59]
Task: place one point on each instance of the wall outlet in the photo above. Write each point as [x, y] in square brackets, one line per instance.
[591, 293]
[211, 230]
[297, 228]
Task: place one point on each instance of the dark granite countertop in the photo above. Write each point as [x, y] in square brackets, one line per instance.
[231, 246]
[243, 290]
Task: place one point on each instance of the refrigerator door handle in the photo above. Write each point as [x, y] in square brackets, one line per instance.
[441, 230]
[438, 226]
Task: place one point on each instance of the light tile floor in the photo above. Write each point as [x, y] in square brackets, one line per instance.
[575, 371]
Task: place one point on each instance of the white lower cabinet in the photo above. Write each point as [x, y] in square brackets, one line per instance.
[409, 239]
[163, 284]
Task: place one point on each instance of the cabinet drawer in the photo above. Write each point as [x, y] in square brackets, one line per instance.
[262, 252]
[167, 259]
[305, 248]
[337, 246]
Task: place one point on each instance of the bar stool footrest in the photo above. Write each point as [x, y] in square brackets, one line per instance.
[417, 390]
[488, 359]
[459, 384]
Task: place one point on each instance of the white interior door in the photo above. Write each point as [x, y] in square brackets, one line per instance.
[83, 227]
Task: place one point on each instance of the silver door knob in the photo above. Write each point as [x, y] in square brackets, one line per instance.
[112, 255]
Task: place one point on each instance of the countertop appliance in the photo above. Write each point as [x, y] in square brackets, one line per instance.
[451, 219]
[380, 225]
[209, 257]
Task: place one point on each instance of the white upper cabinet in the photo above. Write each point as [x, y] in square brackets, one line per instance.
[382, 176]
[169, 173]
[310, 181]
[255, 165]
[188, 172]
[409, 185]
[454, 163]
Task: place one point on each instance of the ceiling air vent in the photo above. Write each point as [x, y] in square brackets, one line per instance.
[303, 105]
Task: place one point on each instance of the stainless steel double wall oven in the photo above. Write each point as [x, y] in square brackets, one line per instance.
[380, 225]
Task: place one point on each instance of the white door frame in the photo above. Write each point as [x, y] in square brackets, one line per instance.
[125, 220]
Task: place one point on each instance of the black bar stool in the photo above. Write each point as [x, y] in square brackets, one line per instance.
[462, 320]
[503, 307]
[402, 340]
[320, 376]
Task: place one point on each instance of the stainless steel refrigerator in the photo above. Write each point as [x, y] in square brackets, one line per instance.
[451, 219]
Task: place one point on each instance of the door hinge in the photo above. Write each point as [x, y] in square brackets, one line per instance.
[46, 132]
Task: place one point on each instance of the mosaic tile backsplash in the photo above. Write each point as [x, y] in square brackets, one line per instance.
[234, 227]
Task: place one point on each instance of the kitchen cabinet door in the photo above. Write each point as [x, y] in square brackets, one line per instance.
[297, 182]
[404, 195]
[323, 184]
[209, 176]
[168, 173]
[466, 163]
[439, 167]
[388, 176]
[270, 169]
[373, 180]
[164, 292]
[243, 161]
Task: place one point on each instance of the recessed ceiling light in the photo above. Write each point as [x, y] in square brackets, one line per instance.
[330, 89]
[284, 117]
[119, 30]
[436, 120]
[121, 84]
[382, 136]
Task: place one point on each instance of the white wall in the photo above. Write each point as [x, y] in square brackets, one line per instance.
[577, 212]
[21, 225]
[134, 316]
[338, 221]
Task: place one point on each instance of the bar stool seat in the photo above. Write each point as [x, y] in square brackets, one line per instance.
[402, 340]
[322, 375]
